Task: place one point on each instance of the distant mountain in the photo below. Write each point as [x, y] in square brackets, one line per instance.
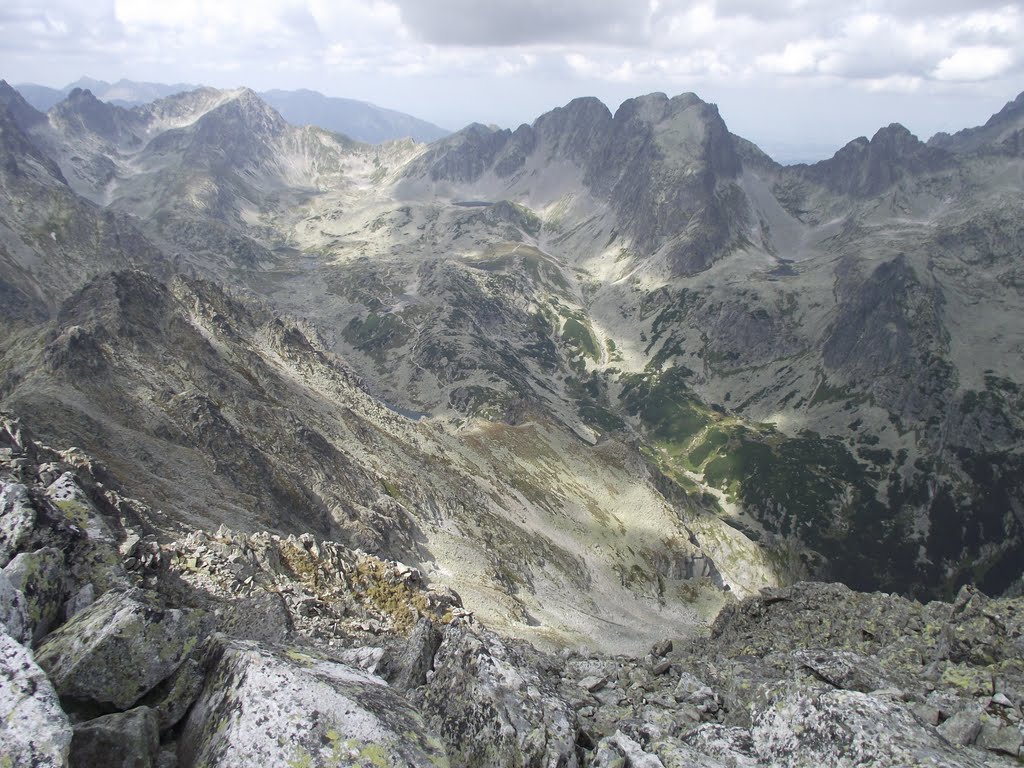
[359, 120]
[123, 93]
[40, 96]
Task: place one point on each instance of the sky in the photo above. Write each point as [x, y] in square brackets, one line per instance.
[798, 77]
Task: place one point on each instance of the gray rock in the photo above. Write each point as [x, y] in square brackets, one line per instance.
[262, 618]
[592, 683]
[491, 706]
[167, 757]
[41, 576]
[122, 740]
[842, 669]
[365, 658]
[927, 714]
[807, 727]
[661, 666]
[1001, 699]
[12, 611]
[732, 746]
[661, 648]
[620, 751]
[17, 519]
[962, 728]
[265, 708]
[690, 691]
[999, 737]
[34, 731]
[172, 698]
[118, 649]
[409, 668]
[79, 601]
[68, 496]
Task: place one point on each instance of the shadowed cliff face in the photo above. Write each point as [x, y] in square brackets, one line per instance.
[889, 338]
[603, 371]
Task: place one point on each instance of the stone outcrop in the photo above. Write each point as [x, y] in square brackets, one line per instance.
[121, 740]
[34, 731]
[118, 649]
[494, 704]
[265, 708]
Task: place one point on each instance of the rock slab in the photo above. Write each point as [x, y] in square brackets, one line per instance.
[264, 707]
[34, 731]
[118, 649]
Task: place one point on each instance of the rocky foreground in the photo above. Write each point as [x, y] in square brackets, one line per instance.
[129, 640]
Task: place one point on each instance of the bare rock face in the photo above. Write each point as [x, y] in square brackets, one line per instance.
[848, 728]
[493, 708]
[13, 614]
[118, 649]
[121, 740]
[34, 731]
[262, 707]
[41, 578]
[17, 519]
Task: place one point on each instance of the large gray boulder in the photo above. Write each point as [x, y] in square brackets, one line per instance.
[34, 731]
[492, 706]
[41, 577]
[118, 649]
[262, 707]
[408, 667]
[806, 728]
[13, 613]
[17, 520]
[121, 740]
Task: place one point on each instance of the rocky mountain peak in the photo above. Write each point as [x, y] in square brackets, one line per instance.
[466, 154]
[23, 113]
[1001, 132]
[655, 107]
[685, 131]
[81, 114]
[126, 302]
[573, 131]
[866, 168]
[895, 140]
[19, 156]
[245, 106]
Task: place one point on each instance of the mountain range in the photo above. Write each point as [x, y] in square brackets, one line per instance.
[608, 379]
[601, 373]
[359, 120]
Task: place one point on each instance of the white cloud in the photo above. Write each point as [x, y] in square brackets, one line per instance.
[894, 84]
[795, 59]
[582, 65]
[978, 62]
[520, 57]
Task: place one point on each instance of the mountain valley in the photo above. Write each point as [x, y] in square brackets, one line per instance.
[608, 376]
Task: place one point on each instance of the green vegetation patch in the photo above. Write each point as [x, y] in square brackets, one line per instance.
[580, 336]
[807, 486]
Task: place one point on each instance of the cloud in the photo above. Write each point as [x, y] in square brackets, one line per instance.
[974, 63]
[507, 61]
[525, 22]
[887, 43]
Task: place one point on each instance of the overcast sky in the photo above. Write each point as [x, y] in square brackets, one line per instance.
[799, 77]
